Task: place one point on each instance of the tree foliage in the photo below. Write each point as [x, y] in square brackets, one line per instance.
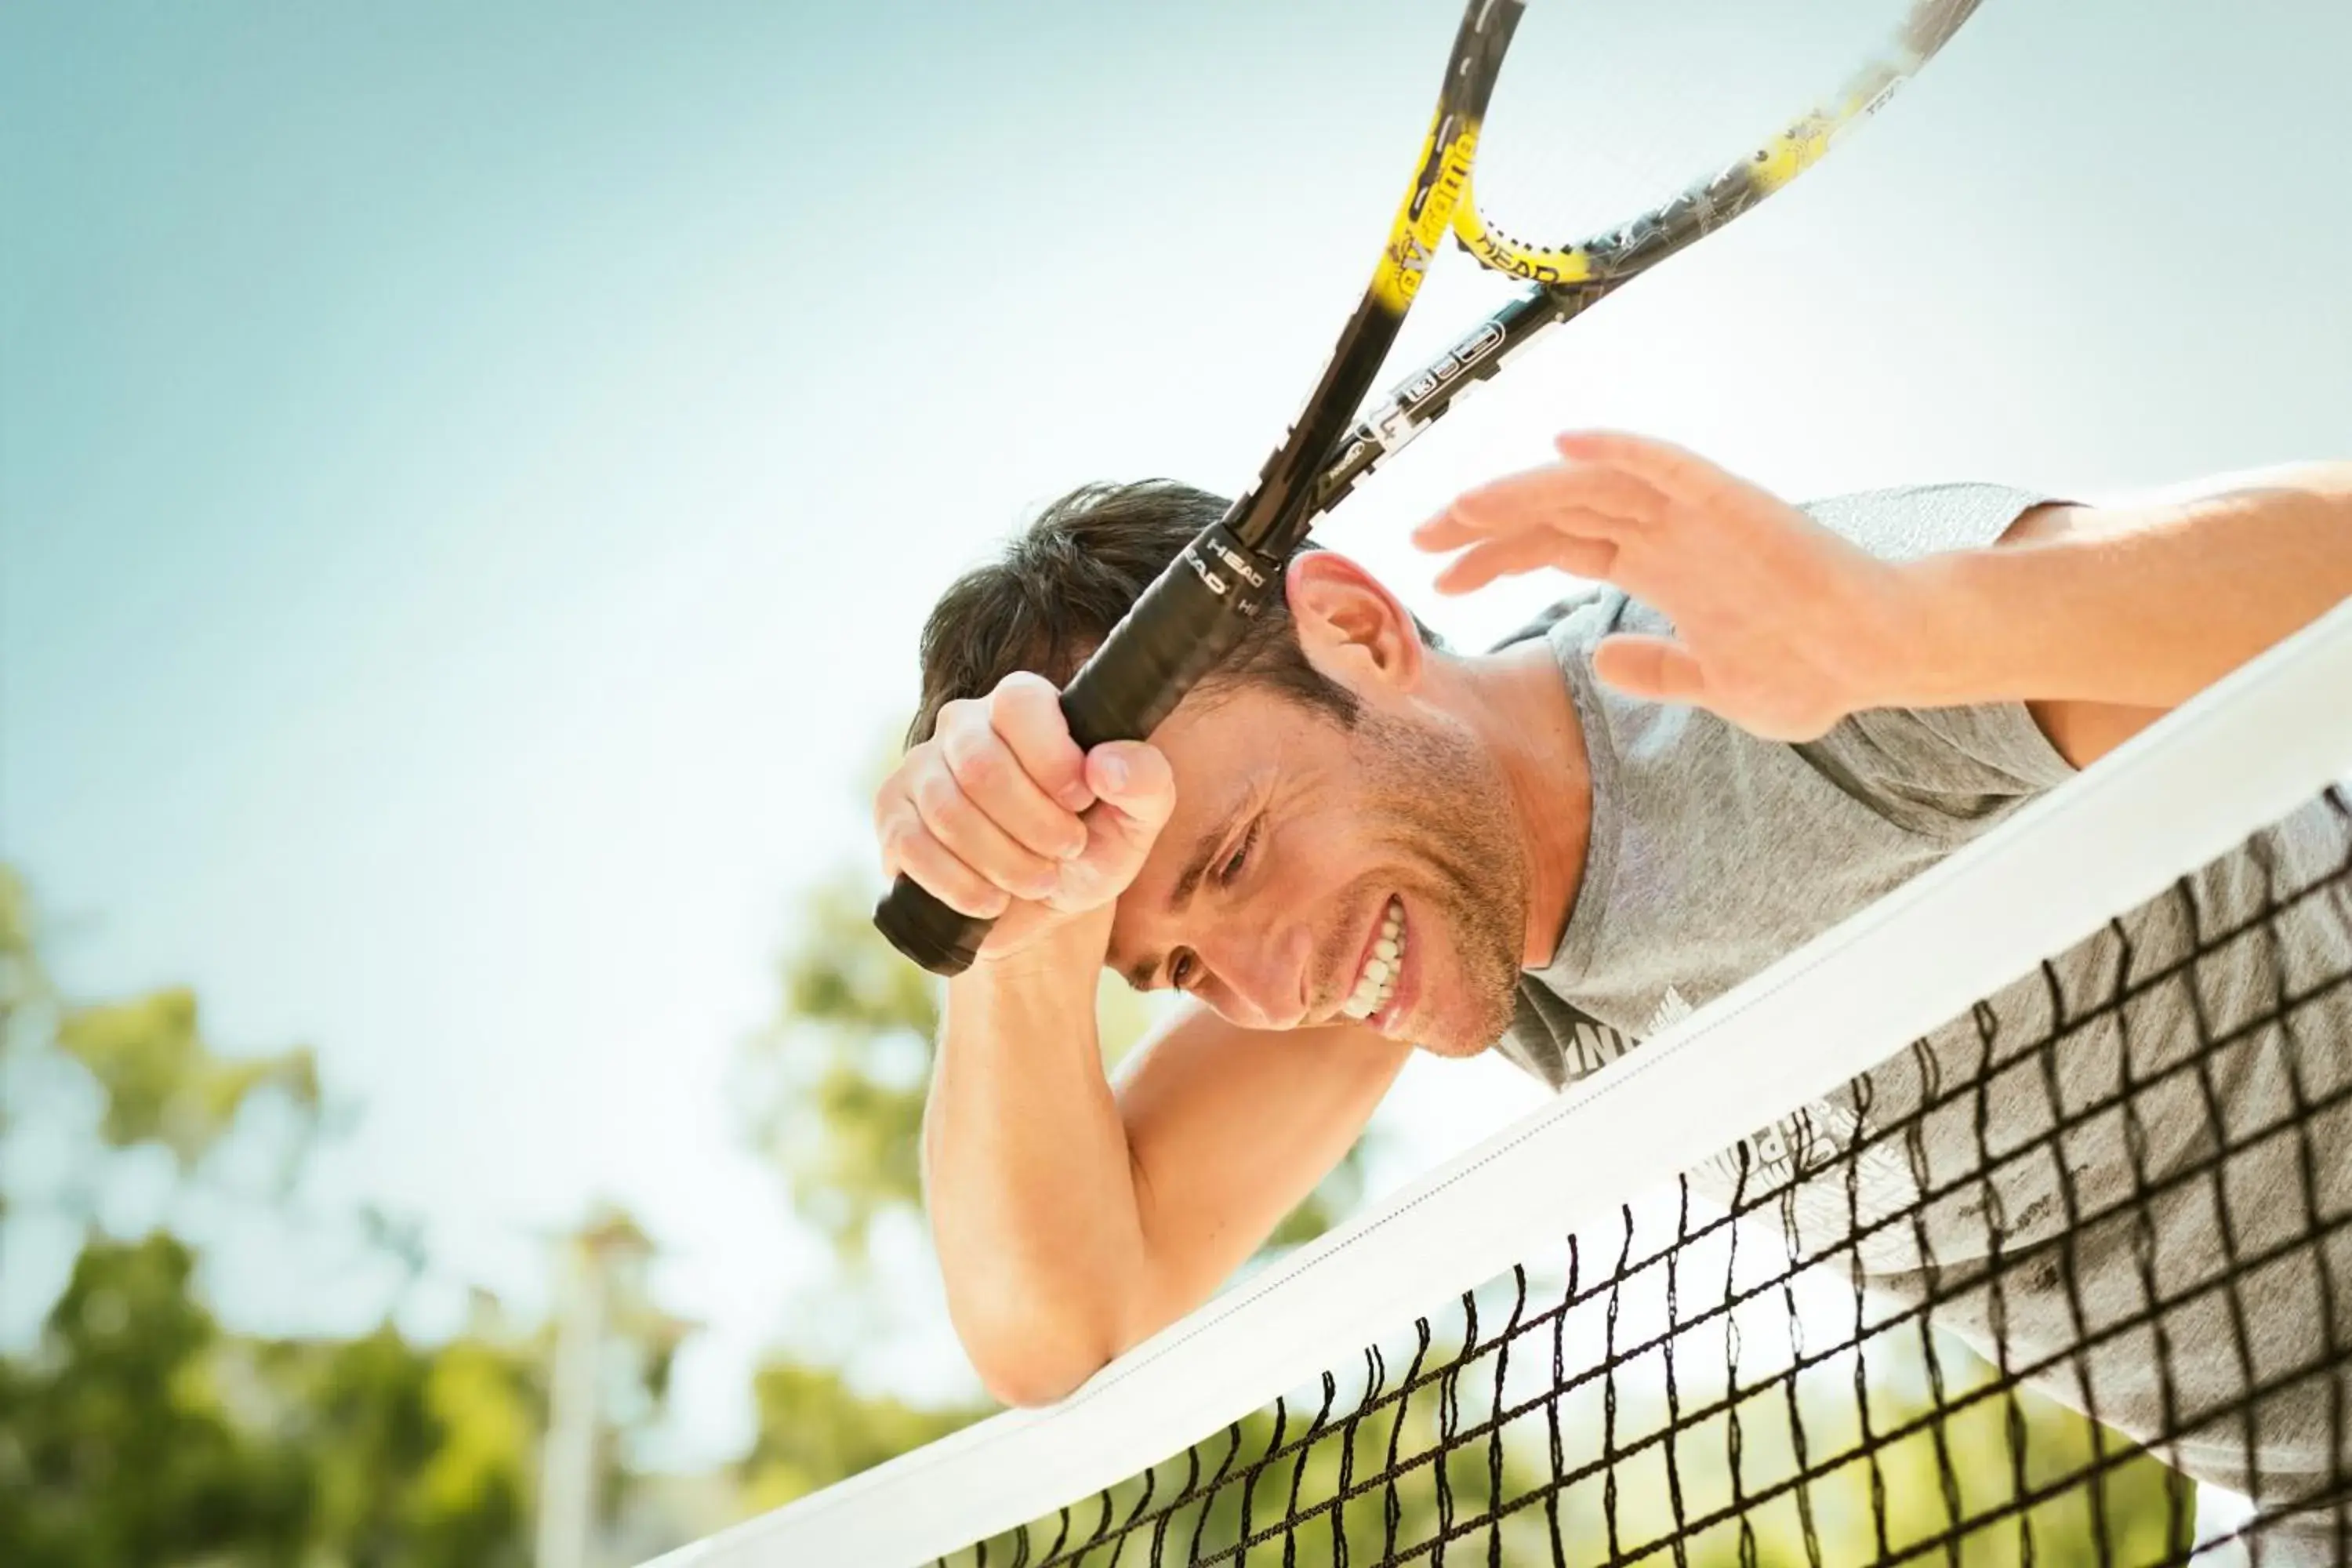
[816, 1428]
[137, 1428]
[142, 1431]
[116, 1445]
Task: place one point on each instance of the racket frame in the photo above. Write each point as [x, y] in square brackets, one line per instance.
[1192, 617]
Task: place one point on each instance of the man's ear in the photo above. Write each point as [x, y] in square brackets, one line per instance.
[1352, 628]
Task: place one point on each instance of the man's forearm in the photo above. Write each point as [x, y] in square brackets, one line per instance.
[1028, 1174]
[2137, 606]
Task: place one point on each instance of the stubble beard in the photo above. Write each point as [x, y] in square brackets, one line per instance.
[1445, 812]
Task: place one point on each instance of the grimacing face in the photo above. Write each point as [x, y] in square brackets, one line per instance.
[1294, 838]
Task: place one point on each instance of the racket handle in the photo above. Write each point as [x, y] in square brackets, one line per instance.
[1182, 628]
[937, 938]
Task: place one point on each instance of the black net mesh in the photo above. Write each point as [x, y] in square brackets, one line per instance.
[2011, 1297]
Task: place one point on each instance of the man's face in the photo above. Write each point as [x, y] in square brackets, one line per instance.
[1301, 847]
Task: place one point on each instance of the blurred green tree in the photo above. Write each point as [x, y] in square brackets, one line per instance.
[116, 1445]
[138, 1428]
[816, 1429]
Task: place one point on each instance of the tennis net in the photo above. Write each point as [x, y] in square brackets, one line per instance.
[2051, 1211]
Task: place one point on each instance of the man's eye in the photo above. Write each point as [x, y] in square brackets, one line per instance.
[1180, 971]
[1240, 856]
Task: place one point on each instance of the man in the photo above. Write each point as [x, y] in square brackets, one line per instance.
[1352, 843]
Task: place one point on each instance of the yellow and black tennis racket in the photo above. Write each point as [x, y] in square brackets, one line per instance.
[1188, 620]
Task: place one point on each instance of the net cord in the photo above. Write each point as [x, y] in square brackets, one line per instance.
[2228, 762]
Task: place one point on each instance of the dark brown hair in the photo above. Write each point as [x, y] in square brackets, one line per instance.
[1065, 581]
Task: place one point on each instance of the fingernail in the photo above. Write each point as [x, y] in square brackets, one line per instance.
[1114, 771]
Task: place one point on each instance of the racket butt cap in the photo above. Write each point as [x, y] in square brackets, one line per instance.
[931, 934]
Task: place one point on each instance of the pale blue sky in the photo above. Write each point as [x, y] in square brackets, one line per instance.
[470, 474]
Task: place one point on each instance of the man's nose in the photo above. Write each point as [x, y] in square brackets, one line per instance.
[1265, 975]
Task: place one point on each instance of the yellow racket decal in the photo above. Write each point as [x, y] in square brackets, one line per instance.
[1428, 212]
[1501, 253]
[1800, 146]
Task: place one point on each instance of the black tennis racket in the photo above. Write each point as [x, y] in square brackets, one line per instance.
[1187, 621]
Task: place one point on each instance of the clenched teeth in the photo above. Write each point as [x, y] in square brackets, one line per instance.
[1378, 982]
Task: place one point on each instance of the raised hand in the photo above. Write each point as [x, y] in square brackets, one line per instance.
[1780, 626]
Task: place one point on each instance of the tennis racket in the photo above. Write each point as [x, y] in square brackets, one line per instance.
[1187, 621]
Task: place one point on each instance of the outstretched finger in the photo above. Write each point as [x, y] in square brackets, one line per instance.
[1675, 472]
[1582, 497]
[1655, 668]
[1513, 503]
[1578, 555]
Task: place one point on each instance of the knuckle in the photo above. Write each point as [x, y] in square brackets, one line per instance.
[901, 846]
[976, 763]
[1032, 704]
[1024, 686]
[952, 817]
[937, 798]
[955, 716]
[892, 800]
[900, 833]
[896, 783]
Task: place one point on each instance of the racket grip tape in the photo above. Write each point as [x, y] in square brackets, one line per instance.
[1186, 622]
